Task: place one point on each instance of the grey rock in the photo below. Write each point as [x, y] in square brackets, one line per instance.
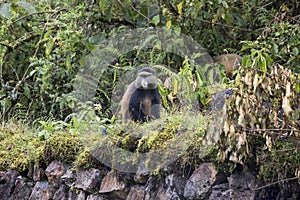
[113, 187]
[176, 185]
[142, 174]
[7, 182]
[54, 172]
[61, 193]
[94, 197]
[241, 180]
[69, 178]
[77, 195]
[65, 193]
[241, 184]
[36, 173]
[136, 193]
[42, 191]
[220, 192]
[23, 188]
[200, 183]
[89, 180]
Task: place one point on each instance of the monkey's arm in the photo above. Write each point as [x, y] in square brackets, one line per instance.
[155, 110]
[135, 109]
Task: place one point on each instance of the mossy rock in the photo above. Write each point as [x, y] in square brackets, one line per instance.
[62, 146]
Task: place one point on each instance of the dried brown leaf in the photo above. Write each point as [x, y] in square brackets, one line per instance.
[286, 106]
[248, 80]
[288, 92]
[255, 82]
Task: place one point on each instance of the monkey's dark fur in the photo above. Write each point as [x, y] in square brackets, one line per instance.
[141, 101]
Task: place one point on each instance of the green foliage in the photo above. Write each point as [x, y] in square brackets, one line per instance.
[282, 161]
[44, 45]
[19, 149]
[278, 43]
[39, 60]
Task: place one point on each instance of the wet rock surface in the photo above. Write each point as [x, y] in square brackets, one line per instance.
[204, 182]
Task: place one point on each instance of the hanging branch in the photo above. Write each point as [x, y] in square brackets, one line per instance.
[159, 13]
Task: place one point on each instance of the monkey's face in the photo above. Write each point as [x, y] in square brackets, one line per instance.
[146, 81]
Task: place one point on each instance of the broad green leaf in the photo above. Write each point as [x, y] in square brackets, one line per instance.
[48, 33]
[102, 5]
[68, 62]
[49, 47]
[198, 79]
[155, 20]
[27, 91]
[295, 51]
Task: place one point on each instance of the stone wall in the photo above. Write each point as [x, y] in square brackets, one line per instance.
[60, 182]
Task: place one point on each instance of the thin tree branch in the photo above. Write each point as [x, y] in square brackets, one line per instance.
[274, 183]
[6, 45]
[37, 48]
[226, 25]
[147, 18]
[160, 13]
[37, 13]
[112, 21]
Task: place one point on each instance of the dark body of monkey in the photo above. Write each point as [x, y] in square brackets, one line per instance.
[230, 61]
[141, 101]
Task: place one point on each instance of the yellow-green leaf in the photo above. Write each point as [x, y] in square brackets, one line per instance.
[49, 47]
[68, 62]
[169, 24]
[179, 7]
[175, 85]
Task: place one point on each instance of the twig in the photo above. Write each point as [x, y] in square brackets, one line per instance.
[116, 20]
[160, 13]
[269, 129]
[6, 45]
[147, 18]
[226, 25]
[274, 183]
[37, 48]
[37, 13]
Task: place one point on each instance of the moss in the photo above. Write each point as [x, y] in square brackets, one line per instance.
[82, 158]
[172, 135]
[62, 146]
[19, 150]
[282, 161]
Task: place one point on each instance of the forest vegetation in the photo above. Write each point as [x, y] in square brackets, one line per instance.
[61, 67]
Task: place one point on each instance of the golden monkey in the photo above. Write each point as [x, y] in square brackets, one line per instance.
[230, 61]
[141, 101]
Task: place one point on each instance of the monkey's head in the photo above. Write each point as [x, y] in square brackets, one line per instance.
[146, 79]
